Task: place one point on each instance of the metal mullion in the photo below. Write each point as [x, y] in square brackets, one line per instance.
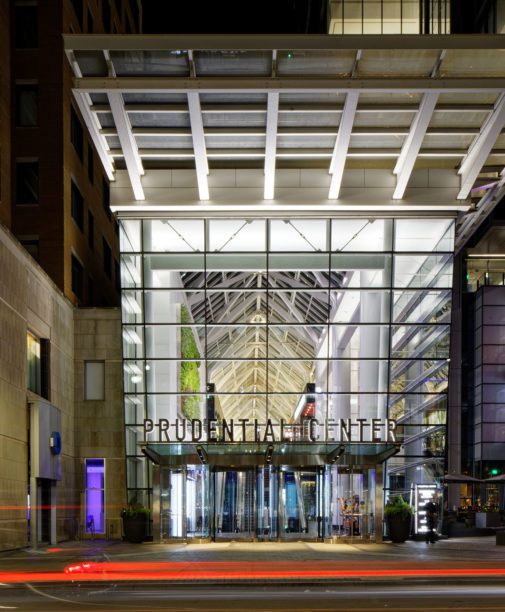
[328, 324]
[205, 319]
[267, 301]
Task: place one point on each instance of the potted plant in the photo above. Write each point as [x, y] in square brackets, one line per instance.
[398, 514]
[135, 522]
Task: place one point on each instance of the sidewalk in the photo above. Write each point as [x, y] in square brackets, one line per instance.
[100, 560]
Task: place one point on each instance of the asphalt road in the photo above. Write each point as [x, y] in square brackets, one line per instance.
[404, 596]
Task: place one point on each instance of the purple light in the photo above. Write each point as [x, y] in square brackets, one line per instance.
[95, 475]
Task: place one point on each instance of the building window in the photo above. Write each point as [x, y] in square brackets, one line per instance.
[95, 495]
[37, 365]
[90, 22]
[77, 4]
[106, 197]
[76, 133]
[77, 206]
[27, 182]
[26, 26]
[117, 275]
[91, 173]
[107, 258]
[91, 230]
[94, 380]
[106, 15]
[27, 105]
[31, 245]
[91, 291]
[77, 277]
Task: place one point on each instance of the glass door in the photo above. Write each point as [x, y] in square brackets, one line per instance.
[299, 504]
[350, 502]
[184, 502]
[235, 504]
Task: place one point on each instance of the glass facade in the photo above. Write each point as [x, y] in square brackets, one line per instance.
[285, 319]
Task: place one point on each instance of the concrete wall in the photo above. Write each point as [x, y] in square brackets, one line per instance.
[100, 424]
[30, 301]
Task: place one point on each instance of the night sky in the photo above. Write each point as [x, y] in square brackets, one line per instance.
[238, 17]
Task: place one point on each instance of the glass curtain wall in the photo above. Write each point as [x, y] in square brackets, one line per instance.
[246, 313]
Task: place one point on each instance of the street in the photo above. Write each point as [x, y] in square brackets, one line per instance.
[412, 597]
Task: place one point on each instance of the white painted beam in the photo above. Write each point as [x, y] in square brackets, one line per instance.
[413, 142]
[198, 136]
[83, 101]
[481, 148]
[128, 143]
[271, 145]
[339, 156]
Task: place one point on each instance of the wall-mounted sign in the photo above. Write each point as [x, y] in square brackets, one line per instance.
[252, 430]
[424, 494]
[55, 442]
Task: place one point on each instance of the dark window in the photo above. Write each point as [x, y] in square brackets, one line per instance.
[135, 13]
[26, 26]
[77, 4]
[106, 197]
[106, 15]
[91, 26]
[116, 227]
[91, 230]
[76, 133]
[27, 105]
[107, 258]
[77, 206]
[32, 246]
[27, 182]
[91, 291]
[37, 366]
[117, 275]
[77, 277]
[91, 172]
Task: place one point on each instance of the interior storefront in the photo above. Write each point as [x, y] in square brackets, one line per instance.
[314, 338]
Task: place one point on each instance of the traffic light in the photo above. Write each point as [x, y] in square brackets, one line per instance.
[495, 472]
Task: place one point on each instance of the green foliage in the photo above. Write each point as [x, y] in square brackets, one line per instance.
[134, 511]
[189, 371]
[397, 506]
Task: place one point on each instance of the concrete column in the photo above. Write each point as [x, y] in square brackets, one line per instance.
[369, 347]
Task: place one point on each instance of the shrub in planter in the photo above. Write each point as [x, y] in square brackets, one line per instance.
[398, 514]
[135, 523]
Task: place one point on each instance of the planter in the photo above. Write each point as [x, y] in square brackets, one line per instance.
[135, 528]
[487, 519]
[399, 528]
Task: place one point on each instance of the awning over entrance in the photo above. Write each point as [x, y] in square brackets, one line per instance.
[249, 454]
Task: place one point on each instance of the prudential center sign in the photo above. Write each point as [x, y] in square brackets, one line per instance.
[252, 430]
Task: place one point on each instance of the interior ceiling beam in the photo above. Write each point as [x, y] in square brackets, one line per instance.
[339, 155]
[289, 84]
[202, 166]
[335, 109]
[271, 145]
[482, 146]
[285, 42]
[128, 143]
[412, 144]
[297, 132]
